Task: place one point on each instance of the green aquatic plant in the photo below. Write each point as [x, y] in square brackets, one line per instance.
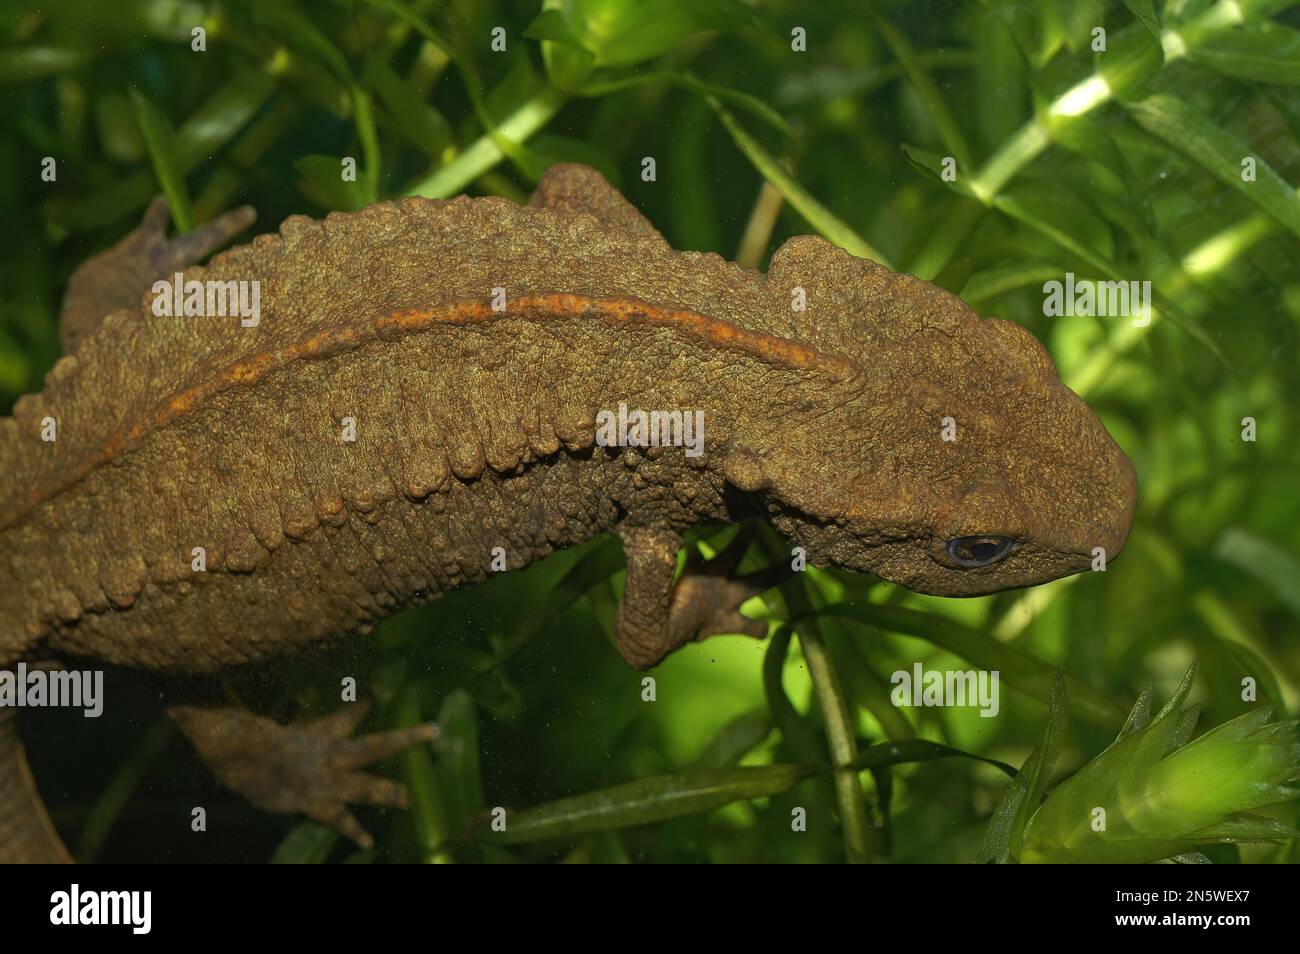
[1154, 793]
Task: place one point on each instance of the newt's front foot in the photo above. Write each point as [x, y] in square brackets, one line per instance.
[309, 767]
[658, 615]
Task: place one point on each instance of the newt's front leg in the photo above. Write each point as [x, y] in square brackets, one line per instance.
[658, 615]
[309, 767]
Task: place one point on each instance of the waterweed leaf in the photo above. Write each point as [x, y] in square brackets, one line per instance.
[1020, 670]
[625, 32]
[1145, 12]
[924, 86]
[322, 182]
[828, 225]
[902, 751]
[1005, 832]
[933, 164]
[1186, 723]
[160, 141]
[1185, 128]
[602, 560]
[690, 82]
[24, 64]
[995, 845]
[552, 25]
[1264, 560]
[456, 769]
[202, 134]
[688, 792]
[412, 117]
[736, 739]
[307, 843]
[1132, 58]
[364, 119]
[1090, 139]
[795, 731]
[1139, 716]
[1245, 826]
[479, 157]
[992, 283]
[1175, 703]
[1065, 216]
[285, 20]
[1265, 52]
[1039, 773]
[645, 801]
[1033, 208]
[569, 63]
[432, 827]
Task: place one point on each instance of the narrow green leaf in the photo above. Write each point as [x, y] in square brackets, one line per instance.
[457, 769]
[293, 26]
[432, 827]
[322, 181]
[1145, 12]
[904, 751]
[161, 143]
[412, 117]
[1219, 152]
[622, 33]
[1020, 670]
[841, 736]
[365, 123]
[932, 100]
[992, 283]
[26, 64]
[1038, 770]
[688, 81]
[1263, 52]
[553, 26]
[736, 739]
[1264, 560]
[202, 134]
[934, 165]
[797, 734]
[830, 226]
[307, 843]
[646, 801]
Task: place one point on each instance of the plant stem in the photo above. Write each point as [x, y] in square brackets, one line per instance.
[484, 153]
[843, 742]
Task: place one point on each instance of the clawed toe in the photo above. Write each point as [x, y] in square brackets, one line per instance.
[309, 766]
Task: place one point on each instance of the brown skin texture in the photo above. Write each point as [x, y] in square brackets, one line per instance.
[475, 429]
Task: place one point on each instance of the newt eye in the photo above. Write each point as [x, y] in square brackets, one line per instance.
[979, 550]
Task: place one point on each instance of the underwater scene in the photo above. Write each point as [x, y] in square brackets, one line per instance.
[615, 431]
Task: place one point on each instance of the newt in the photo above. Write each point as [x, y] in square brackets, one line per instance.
[425, 393]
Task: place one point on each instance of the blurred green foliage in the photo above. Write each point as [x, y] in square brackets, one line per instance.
[1122, 164]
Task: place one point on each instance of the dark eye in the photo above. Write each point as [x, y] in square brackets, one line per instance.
[979, 551]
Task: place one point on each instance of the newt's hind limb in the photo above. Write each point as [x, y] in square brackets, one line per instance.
[309, 767]
[116, 279]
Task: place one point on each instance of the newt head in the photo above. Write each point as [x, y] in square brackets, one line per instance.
[956, 463]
